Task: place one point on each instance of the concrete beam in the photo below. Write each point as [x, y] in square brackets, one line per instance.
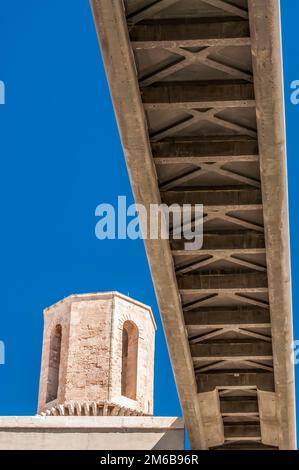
[220, 254]
[242, 432]
[216, 197]
[220, 282]
[236, 380]
[268, 417]
[121, 71]
[244, 445]
[229, 350]
[267, 63]
[153, 9]
[234, 241]
[198, 95]
[206, 159]
[206, 148]
[227, 7]
[216, 317]
[118, 57]
[224, 33]
[240, 407]
[210, 406]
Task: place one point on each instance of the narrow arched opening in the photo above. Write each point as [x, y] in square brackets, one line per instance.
[54, 364]
[129, 360]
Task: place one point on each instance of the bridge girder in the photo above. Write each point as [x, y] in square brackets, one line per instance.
[197, 90]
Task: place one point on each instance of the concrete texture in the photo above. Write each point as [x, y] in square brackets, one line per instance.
[197, 90]
[119, 61]
[91, 433]
[91, 359]
[267, 64]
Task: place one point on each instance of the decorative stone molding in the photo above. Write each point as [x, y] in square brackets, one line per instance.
[92, 408]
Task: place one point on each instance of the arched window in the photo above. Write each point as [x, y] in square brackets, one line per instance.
[54, 364]
[129, 360]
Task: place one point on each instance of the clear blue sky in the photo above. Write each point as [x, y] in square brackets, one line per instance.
[60, 157]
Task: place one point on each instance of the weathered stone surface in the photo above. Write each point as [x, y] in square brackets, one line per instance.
[91, 364]
[91, 433]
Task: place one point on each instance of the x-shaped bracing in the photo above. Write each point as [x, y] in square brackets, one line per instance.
[204, 168]
[159, 5]
[245, 331]
[223, 213]
[234, 296]
[188, 58]
[225, 256]
[244, 361]
[197, 116]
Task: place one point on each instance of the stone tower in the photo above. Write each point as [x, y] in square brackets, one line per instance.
[98, 357]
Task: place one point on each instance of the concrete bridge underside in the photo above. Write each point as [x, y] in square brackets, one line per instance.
[198, 94]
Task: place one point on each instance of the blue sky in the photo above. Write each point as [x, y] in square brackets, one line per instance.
[61, 157]
[289, 18]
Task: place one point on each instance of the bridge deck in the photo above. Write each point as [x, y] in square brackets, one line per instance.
[197, 91]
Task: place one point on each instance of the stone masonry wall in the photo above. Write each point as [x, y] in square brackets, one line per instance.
[126, 311]
[91, 351]
[52, 318]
